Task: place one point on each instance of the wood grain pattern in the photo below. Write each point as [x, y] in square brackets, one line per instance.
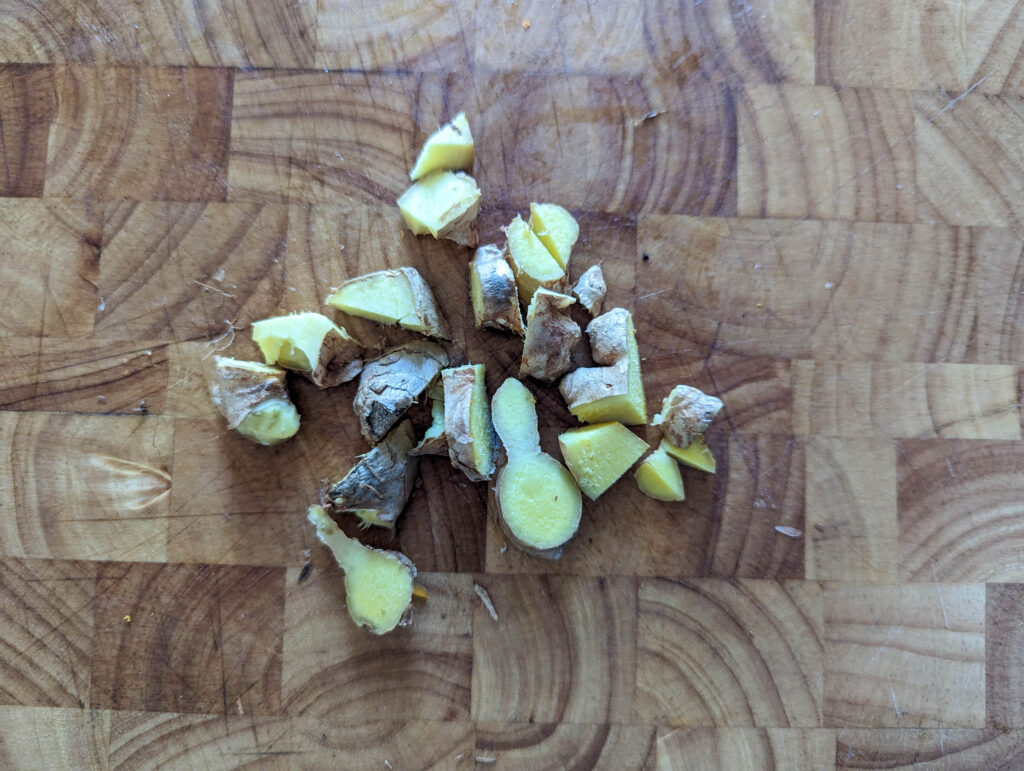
[1004, 650]
[705, 749]
[935, 748]
[27, 104]
[54, 738]
[563, 745]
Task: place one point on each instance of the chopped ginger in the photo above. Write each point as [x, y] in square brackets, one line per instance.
[309, 343]
[450, 148]
[598, 455]
[443, 204]
[658, 477]
[400, 297]
[556, 229]
[253, 397]
[532, 263]
[697, 454]
[686, 413]
[493, 291]
[467, 421]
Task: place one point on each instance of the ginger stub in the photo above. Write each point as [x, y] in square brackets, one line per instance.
[311, 344]
[590, 289]
[493, 291]
[399, 297]
[377, 488]
[614, 391]
[686, 414]
[696, 455]
[658, 477]
[550, 336]
[556, 229]
[467, 421]
[391, 383]
[442, 204]
[598, 455]
[378, 584]
[531, 262]
[450, 148]
[253, 397]
[538, 503]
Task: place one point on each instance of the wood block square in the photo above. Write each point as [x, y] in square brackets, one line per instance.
[541, 662]
[960, 507]
[851, 510]
[1000, 284]
[336, 670]
[49, 260]
[55, 738]
[84, 486]
[165, 137]
[177, 271]
[793, 749]
[46, 634]
[977, 144]
[939, 748]
[717, 653]
[27, 106]
[1004, 655]
[338, 137]
[821, 153]
[905, 656]
[188, 638]
[561, 745]
[90, 375]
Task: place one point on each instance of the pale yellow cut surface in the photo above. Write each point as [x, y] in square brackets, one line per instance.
[629, 408]
[271, 422]
[294, 342]
[556, 229]
[697, 454]
[598, 455]
[448, 149]
[385, 296]
[540, 502]
[514, 414]
[658, 477]
[531, 261]
[437, 200]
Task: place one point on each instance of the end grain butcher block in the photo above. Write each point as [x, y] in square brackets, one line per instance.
[814, 210]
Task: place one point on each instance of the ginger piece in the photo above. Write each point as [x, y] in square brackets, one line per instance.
[448, 149]
[253, 397]
[598, 455]
[467, 421]
[556, 229]
[377, 488]
[378, 583]
[686, 414]
[399, 297]
[616, 390]
[391, 383]
[538, 503]
[312, 344]
[697, 454]
[550, 336]
[434, 441]
[658, 477]
[590, 289]
[493, 292]
[532, 263]
[443, 204]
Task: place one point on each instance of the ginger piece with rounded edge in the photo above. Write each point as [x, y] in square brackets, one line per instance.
[598, 455]
[550, 336]
[378, 584]
[556, 229]
[311, 344]
[377, 488]
[658, 477]
[442, 204]
[253, 397]
[686, 414]
[399, 297]
[391, 383]
[531, 262]
[434, 441]
[493, 291]
[467, 421]
[616, 390]
[696, 455]
[590, 289]
[450, 148]
[538, 503]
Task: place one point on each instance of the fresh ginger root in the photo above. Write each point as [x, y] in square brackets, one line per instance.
[598, 455]
[450, 148]
[391, 383]
[377, 488]
[443, 204]
[616, 390]
[493, 292]
[467, 421]
[253, 397]
[550, 336]
[434, 441]
[312, 344]
[590, 289]
[658, 477]
[539, 505]
[399, 297]
[556, 229]
[532, 263]
[378, 584]
[686, 414]
[696, 455]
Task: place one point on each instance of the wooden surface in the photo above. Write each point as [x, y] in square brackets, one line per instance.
[814, 209]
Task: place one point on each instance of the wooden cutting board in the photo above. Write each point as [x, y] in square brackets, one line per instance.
[814, 210]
